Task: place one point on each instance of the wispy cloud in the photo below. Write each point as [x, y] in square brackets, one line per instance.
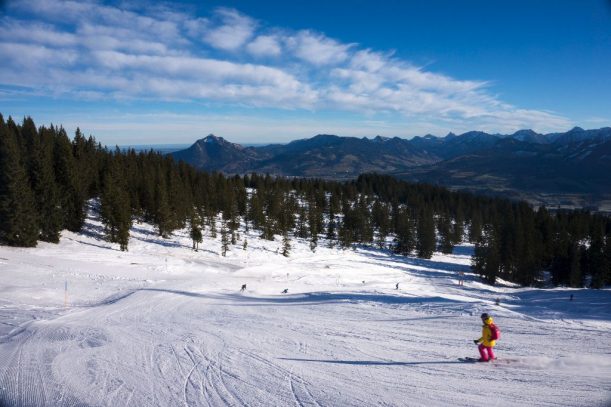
[87, 49]
[265, 45]
[233, 32]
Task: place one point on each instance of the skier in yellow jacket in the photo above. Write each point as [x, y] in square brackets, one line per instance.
[490, 334]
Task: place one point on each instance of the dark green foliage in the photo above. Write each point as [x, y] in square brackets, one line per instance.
[18, 215]
[486, 258]
[72, 200]
[115, 208]
[446, 238]
[46, 191]
[196, 231]
[405, 240]
[224, 240]
[425, 245]
[286, 245]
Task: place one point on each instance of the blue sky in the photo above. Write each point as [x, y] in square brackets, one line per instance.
[271, 71]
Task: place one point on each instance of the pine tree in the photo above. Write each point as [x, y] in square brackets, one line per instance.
[46, 192]
[331, 227]
[598, 267]
[445, 234]
[115, 208]
[196, 231]
[425, 244]
[162, 214]
[72, 203]
[18, 217]
[286, 244]
[224, 240]
[405, 241]
[475, 228]
[486, 260]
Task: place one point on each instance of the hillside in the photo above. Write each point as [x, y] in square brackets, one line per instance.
[560, 169]
[164, 325]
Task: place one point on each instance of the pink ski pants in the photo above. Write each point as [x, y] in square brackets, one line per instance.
[485, 352]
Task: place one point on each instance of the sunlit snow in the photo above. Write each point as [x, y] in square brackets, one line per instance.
[165, 325]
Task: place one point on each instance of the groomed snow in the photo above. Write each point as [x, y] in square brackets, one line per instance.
[164, 325]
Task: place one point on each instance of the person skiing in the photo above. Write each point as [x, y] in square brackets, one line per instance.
[490, 334]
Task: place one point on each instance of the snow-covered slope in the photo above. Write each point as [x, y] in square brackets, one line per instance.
[164, 325]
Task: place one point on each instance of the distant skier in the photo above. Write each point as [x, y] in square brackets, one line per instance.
[490, 334]
[397, 286]
[243, 288]
[285, 291]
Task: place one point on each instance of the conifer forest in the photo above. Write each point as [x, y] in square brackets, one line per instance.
[47, 178]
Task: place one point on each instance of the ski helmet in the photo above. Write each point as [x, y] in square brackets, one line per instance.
[485, 316]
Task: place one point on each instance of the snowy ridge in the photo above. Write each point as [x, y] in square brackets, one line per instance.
[164, 325]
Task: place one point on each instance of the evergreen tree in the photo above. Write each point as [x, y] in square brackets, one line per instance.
[162, 214]
[446, 239]
[598, 266]
[486, 259]
[115, 208]
[72, 203]
[46, 192]
[286, 244]
[196, 230]
[224, 240]
[425, 244]
[18, 217]
[405, 240]
[475, 228]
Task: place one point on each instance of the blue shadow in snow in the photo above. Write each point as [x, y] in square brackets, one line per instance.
[299, 299]
[554, 304]
[377, 362]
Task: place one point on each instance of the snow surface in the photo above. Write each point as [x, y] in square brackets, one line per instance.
[165, 325]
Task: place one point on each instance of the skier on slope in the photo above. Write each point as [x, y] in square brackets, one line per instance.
[490, 334]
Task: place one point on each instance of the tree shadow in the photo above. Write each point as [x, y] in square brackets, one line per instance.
[376, 362]
[308, 298]
[95, 245]
[552, 304]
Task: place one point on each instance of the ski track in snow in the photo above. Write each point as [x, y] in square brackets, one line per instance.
[163, 325]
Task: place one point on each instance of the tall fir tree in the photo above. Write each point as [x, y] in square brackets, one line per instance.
[18, 216]
[115, 208]
[405, 239]
[486, 258]
[425, 244]
[196, 230]
[286, 244]
[224, 240]
[46, 192]
[446, 238]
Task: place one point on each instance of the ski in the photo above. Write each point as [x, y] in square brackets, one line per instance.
[469, 360]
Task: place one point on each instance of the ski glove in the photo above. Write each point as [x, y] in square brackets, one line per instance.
[475, 341]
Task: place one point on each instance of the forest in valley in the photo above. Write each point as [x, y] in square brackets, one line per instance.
[47, 180]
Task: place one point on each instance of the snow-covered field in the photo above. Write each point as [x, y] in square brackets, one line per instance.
[164, 325]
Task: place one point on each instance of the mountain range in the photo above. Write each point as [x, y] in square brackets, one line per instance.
[571, 169]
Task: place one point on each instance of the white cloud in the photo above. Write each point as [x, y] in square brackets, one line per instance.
[234, 31]
[318, 49]
[264, 45]
[85, 50]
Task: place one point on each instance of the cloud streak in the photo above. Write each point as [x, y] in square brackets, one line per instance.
[90, 50]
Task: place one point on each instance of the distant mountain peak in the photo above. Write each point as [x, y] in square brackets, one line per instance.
[379, 138]
[211, 138]
[525, 132]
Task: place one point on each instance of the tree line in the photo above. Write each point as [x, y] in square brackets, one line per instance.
[46, 180]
